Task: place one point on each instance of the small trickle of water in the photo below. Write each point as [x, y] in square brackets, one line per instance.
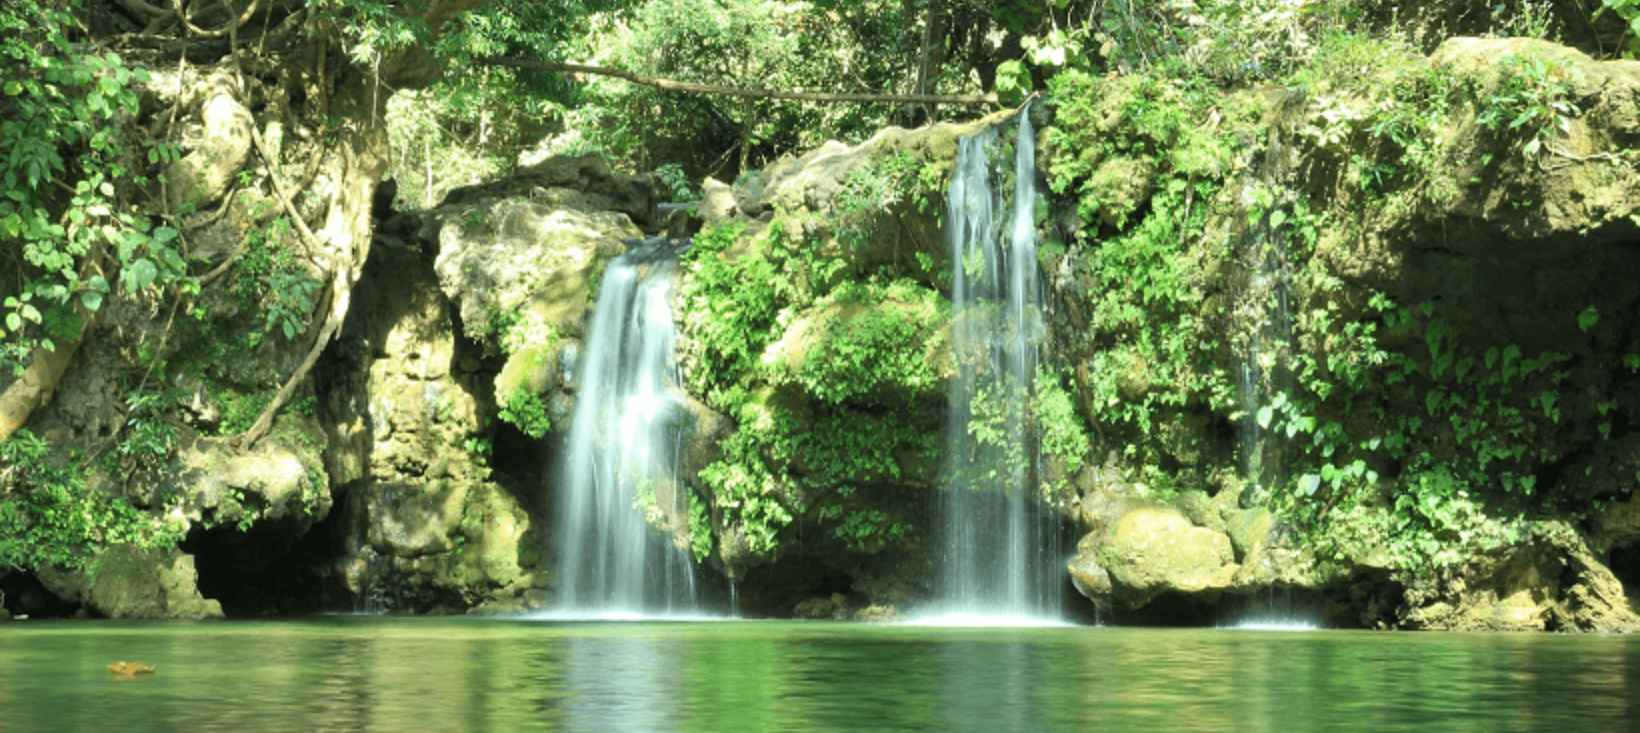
[620, 460]
[998, 554]
[1268, 340]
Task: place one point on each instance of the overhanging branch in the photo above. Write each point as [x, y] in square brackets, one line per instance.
[674, 85]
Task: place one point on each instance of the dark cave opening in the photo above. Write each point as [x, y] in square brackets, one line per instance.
[273, 568]
[1624, 562]
[23, 595]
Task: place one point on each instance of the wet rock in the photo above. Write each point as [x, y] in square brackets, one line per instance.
[1089, 577]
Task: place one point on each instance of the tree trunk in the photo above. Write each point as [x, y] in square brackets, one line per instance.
[32, 390]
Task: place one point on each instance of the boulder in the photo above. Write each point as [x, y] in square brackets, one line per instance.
[1150, 550]
[130, 583]
[717, 203]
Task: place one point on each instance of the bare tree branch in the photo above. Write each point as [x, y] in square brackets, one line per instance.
[694, 88]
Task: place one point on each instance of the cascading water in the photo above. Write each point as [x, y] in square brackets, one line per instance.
[621, 458]
[998, 554]
[1266, 342]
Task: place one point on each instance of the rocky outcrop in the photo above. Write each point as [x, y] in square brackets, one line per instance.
[127, 583]
[1499, 244]
[1155, 549]
[821, 337]
[469, 316]
[425, 522]
[1208, 550]
[1551, 581]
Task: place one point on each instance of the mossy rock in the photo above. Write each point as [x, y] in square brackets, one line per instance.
[1152, 550]
[125, 582]
[1121, 186]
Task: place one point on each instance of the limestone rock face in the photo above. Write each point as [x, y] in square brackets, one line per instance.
[535, 244]
[217, 145]
[269, 482]
[429, 525]
[124, 582]
[1550, 581]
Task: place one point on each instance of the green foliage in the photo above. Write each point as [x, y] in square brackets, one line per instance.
[1062, 434]
[732, 302]
[241, 409]
[1629, 12]
[49, 517]
[1531, 103]
[676, 182]
[871, 350]
[1147, 277]
[149, 439]
[745, 490]
[820, 45]
[886, 185]
[843, 455]
[1484, 425]
[866, 530]
[1588, 318]
[1227, 41]
[270, 281]
[1384, 112]
[700, 530]
[462, 132]
[525, 410]
[68, 184]
[828, 417]
[996, 426]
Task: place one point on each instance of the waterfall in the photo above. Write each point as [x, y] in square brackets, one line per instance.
[999, 555]
[1264, 345]
[621, 458]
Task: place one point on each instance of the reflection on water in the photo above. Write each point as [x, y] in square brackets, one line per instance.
[423, 674]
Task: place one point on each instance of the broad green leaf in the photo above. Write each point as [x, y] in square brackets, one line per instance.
[1308, 483]
[1588, 318]
[139, 275]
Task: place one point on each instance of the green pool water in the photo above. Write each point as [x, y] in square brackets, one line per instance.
[362, 673]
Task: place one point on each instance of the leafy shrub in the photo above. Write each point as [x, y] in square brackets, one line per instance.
[525, 410]
[48, 516]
